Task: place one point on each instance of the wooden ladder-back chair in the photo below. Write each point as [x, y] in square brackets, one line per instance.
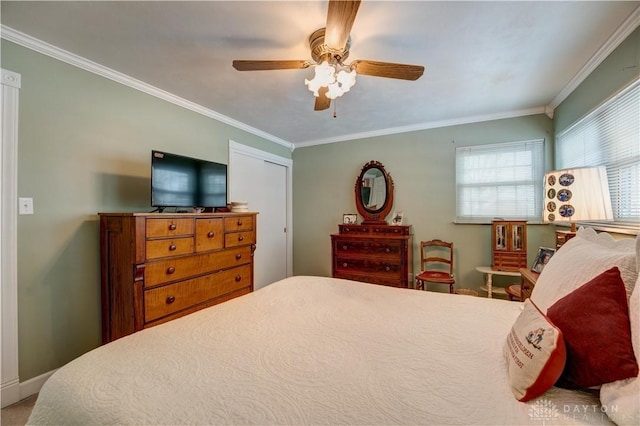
[436, 264]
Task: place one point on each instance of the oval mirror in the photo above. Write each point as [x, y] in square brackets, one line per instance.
[374, 193]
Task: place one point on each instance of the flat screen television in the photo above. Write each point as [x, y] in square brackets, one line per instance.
[179, 181]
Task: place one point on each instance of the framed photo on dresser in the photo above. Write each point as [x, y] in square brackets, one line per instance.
[542, 258]
[349, 218]
[397, 218]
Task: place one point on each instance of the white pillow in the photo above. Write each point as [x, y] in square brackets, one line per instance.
[582, 258]
[621, 399]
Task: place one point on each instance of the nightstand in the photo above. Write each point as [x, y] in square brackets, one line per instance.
[528, 281]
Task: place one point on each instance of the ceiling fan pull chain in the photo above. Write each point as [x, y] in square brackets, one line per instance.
[335, 101]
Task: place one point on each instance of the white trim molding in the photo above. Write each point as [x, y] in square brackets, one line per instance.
[40, 46]
[10, 391]
[426, 126]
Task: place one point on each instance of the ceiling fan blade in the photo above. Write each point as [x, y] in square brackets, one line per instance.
[340, 17]
[322, 102]
[269, 65]
[388, 69]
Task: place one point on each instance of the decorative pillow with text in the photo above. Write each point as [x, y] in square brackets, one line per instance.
[535, 353]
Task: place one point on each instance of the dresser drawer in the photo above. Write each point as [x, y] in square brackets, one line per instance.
[509, 261]
[169, 227]
[388, 280]
[168, 299]
[238, 223]
[159, 272]
[348, 264]
[235, 239]
[209, 234]
[391, 248]
[169, 247]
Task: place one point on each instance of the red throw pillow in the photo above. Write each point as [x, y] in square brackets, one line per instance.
[594, 320]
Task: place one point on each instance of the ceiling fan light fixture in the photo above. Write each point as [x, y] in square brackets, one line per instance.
[347, 79]
[336, 81]
[324, 76]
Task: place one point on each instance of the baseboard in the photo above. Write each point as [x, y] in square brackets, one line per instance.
[10, 393]
[15, 392]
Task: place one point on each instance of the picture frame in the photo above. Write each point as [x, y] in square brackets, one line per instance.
[542, 258]
[349, 218]
[397, 218]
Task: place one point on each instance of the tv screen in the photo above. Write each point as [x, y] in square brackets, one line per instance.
[178, 181]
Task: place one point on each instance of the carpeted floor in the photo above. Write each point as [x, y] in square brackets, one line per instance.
[18, 413]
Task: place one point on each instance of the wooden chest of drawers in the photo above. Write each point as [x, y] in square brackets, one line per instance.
[156, 267]
[378, 254]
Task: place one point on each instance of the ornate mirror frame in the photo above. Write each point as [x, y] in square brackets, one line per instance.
[376, 215]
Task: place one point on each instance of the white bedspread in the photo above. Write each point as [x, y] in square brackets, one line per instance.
[310, 350]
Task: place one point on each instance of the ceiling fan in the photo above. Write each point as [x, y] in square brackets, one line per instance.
[329, 48]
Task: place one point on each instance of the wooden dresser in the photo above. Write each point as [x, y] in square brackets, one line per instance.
[156, 267]
[378, 254]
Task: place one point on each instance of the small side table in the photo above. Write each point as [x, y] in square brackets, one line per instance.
[488, 287]
[529, 279]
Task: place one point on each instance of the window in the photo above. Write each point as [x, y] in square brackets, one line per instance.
[610, 136]
[500, 180]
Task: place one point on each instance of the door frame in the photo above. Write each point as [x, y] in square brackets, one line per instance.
[10, 388]
[238, 148]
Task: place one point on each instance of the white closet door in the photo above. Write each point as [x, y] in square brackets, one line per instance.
[263, 184]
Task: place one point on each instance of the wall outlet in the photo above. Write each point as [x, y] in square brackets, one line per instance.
[25, 205]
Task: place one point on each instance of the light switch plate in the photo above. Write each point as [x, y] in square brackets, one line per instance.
[25, 205]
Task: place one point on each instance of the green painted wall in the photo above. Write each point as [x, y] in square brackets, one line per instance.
[84, 147]
[619, 68]
[422, 165]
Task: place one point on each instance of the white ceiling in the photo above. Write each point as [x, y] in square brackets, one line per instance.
[483, 59]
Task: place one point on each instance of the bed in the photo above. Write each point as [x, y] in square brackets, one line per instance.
[315, 350]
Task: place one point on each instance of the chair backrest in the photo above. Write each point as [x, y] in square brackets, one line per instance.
[436, 255]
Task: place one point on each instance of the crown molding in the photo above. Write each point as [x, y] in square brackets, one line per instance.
[47, 49]
[623, 31]
[425, 126]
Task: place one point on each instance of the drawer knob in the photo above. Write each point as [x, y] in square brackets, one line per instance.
[172, 227]
[210, 234]
[240, 238]
[345, 264]
[170, 299]
[239, 222]
[238, 256]
[238, 278]
[386, 250]
[344, 247]
[171, 270]
[172, 247]
[387, 269]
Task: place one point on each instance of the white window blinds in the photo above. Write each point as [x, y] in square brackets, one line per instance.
[500, 180]
[610, 136]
